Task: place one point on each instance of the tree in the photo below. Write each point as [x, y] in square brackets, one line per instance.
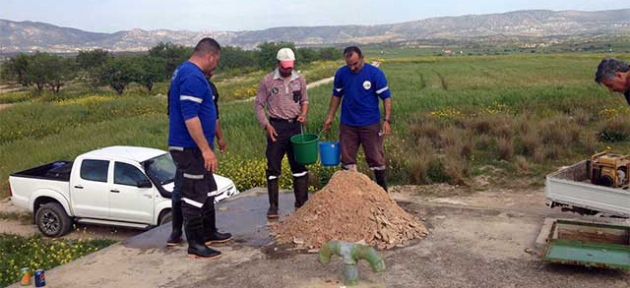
[237, 58]
[62, 71]
[87, 60]
[38, 69]
[173, 55]
[267, 54]
[306, 55]
[151, 70]
[119, 72]
[16, 69]
[91, 63]
[46, 70]
[329, 53]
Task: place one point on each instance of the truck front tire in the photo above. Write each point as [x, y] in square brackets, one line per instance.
[52, 220]
[165, 217]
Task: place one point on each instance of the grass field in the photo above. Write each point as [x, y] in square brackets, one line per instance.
[36, 252]
[455, 118]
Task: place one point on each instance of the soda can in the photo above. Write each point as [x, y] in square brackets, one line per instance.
[40, 278]
[25, 276]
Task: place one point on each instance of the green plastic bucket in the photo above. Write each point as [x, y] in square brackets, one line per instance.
[305, 148]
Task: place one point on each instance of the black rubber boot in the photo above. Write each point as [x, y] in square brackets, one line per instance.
[211, 233]
[177, 221]
[381, 178]
[194, 235]
[273, 189]
[300, 189]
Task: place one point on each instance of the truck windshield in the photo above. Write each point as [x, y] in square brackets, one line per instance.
[161, 168]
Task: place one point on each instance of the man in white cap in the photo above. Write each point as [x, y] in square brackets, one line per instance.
[281, 109]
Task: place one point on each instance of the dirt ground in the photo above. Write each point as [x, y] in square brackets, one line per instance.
[23, 226]
[481, 239]
[4, 106]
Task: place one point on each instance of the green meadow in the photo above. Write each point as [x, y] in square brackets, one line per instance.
[455, 118]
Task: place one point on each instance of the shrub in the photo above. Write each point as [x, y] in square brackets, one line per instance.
[505, 148]
[615, 130]
[521, 164]
[456, 170]
[436, 171]
[529, 142]
[426, 128]
[582, 117]
[554, 132]
[502, 127]
[420, 160]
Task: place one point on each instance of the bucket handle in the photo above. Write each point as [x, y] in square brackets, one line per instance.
[322, 132]
[319, 135]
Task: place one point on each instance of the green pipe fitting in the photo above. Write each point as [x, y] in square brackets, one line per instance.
[351, 254]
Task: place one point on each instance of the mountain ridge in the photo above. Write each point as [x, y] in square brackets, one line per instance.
[28, 36]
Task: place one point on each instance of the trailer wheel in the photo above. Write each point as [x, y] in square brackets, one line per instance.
[52, 220]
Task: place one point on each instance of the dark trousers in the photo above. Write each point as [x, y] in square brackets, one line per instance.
[197, 184]
[275, 153]
[370, 137]
[276, 150]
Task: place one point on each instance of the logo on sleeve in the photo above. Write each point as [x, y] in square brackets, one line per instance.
[367, 85]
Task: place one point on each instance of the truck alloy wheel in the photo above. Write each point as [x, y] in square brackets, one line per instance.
[50, 223]
[52, 220]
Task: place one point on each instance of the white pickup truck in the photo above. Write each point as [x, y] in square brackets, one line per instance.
[118, 185]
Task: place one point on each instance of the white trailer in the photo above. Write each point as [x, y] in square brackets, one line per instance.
[570, 187]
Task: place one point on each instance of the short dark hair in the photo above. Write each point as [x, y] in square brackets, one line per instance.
[207, 45]
[351, 50]
[608, 68]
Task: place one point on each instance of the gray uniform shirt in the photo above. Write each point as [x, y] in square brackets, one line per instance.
[282, 98]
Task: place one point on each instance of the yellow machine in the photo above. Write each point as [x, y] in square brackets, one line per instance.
[610, 169]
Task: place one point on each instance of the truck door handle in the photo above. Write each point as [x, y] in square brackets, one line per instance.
[78, 187]
[114, 191]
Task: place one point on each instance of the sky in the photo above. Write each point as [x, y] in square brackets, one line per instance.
[237, 15]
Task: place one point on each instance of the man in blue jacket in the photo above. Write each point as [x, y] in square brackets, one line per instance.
[192, 128]
[358, 87]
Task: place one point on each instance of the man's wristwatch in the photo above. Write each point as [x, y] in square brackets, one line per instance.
[389, 121]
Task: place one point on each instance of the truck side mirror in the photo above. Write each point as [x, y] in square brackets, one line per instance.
[144, 183]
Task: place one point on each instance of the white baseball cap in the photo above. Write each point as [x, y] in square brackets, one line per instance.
[286, 58]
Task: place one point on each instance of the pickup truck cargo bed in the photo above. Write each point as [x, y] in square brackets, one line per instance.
[58, 170]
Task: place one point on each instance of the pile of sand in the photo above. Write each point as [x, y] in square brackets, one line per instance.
[350, 208]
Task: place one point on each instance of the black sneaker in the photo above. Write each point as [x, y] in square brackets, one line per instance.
[198, 250]
[218, 237]
[174, 240]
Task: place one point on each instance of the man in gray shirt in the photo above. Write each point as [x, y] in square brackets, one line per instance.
[282, 93]
[615, 75]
